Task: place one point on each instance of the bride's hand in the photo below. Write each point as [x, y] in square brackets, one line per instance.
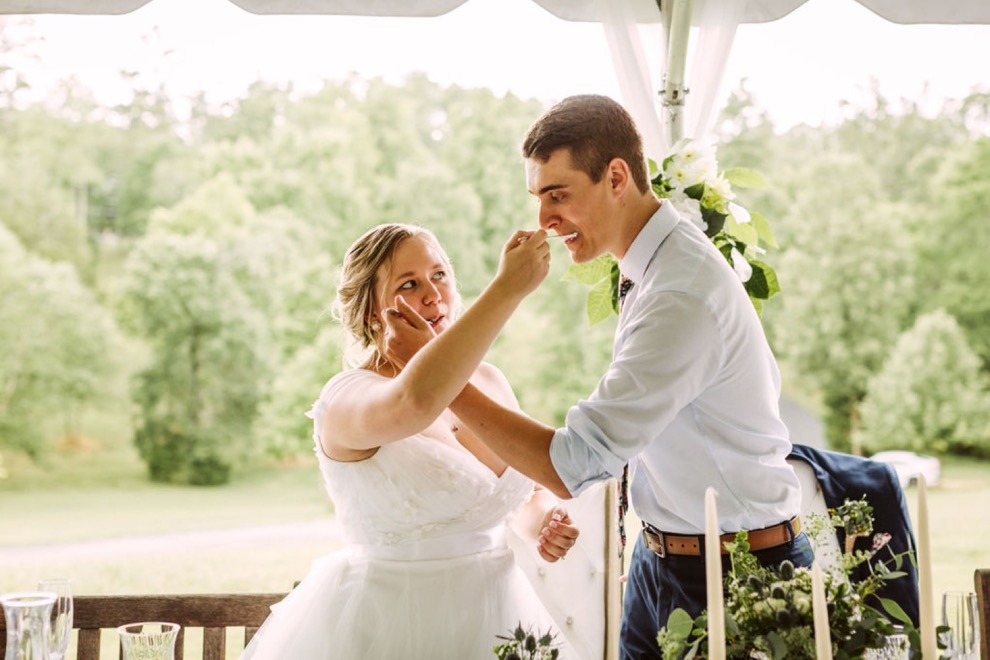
[405, 332]
[557, 534]
[525, 262]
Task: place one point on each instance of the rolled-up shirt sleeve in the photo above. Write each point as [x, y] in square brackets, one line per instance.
[666, 352]
[580, 453]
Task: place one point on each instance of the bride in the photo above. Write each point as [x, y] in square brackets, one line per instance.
[427, 573]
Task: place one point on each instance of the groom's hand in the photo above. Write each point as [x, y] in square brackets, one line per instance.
[557, 535]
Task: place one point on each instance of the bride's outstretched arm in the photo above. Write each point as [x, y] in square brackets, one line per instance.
[398, 407]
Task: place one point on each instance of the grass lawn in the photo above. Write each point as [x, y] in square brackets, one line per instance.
[82, 496]
[959, 523]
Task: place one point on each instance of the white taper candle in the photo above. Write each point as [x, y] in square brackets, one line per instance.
[823, 638]
[713, 577]
[926, 599]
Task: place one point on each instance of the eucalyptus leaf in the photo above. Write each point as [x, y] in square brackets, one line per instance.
[895, 610]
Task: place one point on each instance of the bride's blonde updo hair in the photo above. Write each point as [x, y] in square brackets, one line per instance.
[354, 306]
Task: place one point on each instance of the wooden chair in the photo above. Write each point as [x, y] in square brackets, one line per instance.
[214, 613]
[981, 580]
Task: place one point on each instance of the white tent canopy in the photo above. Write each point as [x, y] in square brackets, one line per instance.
[754, 11]
[627, 23]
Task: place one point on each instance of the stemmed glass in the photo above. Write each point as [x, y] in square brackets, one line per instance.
[61, 615]
[959, 613]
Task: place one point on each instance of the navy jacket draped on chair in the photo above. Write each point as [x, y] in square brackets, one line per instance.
[844, 476]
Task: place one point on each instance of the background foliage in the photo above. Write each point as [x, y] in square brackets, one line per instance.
[174, 273]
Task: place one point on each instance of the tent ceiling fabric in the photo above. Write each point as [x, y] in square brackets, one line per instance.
[70, 6]
[757, 11]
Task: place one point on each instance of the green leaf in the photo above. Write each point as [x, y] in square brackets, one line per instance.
[778, 647]
[714, 220]
[895, 610]
[679, 624]
[769, 276]
[599, 303]
[743, 177]
[745, 232]
[890, 575]
[763, 229]
[697, 191]
[592, 272]
[757, 286]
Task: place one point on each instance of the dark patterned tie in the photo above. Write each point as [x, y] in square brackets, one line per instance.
[623, 496]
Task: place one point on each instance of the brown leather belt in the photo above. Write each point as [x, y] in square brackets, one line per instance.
[663, 544]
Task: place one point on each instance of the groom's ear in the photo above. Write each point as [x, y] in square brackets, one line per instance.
[618, 175]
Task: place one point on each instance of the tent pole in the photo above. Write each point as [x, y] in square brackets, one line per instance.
[676, 16]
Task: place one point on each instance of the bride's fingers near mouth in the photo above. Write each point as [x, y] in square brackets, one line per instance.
[404, 312]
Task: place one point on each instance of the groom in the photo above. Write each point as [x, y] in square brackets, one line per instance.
[690, 399]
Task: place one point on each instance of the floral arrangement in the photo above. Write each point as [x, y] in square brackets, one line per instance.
[768, 611]
[690, 179]
[525, 645]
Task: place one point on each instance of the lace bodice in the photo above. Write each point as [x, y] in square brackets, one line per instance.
[414, 489]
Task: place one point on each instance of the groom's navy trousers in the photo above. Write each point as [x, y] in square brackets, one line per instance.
[656, 586]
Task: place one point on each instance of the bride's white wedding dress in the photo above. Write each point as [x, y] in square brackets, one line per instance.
[426, 574]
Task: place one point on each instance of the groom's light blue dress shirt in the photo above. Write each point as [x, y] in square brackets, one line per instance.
[691, 398]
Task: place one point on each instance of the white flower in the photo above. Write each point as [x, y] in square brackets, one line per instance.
[739, 213]
[690, 164]
[741, 266]
[690, 209]
[720, 186]
[679, 177]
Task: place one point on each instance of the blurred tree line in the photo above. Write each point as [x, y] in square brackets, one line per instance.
[194, 260]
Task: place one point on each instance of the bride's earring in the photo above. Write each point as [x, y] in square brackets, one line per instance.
[376, 326]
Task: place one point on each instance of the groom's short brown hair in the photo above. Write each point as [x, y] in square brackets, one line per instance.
[596, 129]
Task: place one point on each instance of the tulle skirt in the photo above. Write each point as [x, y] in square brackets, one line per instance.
[352, 607]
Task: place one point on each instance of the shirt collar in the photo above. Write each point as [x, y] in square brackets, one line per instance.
[644, 246]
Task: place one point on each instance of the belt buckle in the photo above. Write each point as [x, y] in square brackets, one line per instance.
[655, 536]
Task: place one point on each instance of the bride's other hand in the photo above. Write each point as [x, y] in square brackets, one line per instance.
[406, 332]
[557, 535]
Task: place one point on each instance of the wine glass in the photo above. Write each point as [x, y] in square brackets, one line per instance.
[61, 615]
[959, 613]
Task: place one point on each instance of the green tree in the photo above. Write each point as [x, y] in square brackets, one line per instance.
[198, 397]
[954, 262]
[930, 395]
[903, 143]
[286, 430]
[850, 286]
[195, 293]
[60, 346]
[42, 174]
[478, 139]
